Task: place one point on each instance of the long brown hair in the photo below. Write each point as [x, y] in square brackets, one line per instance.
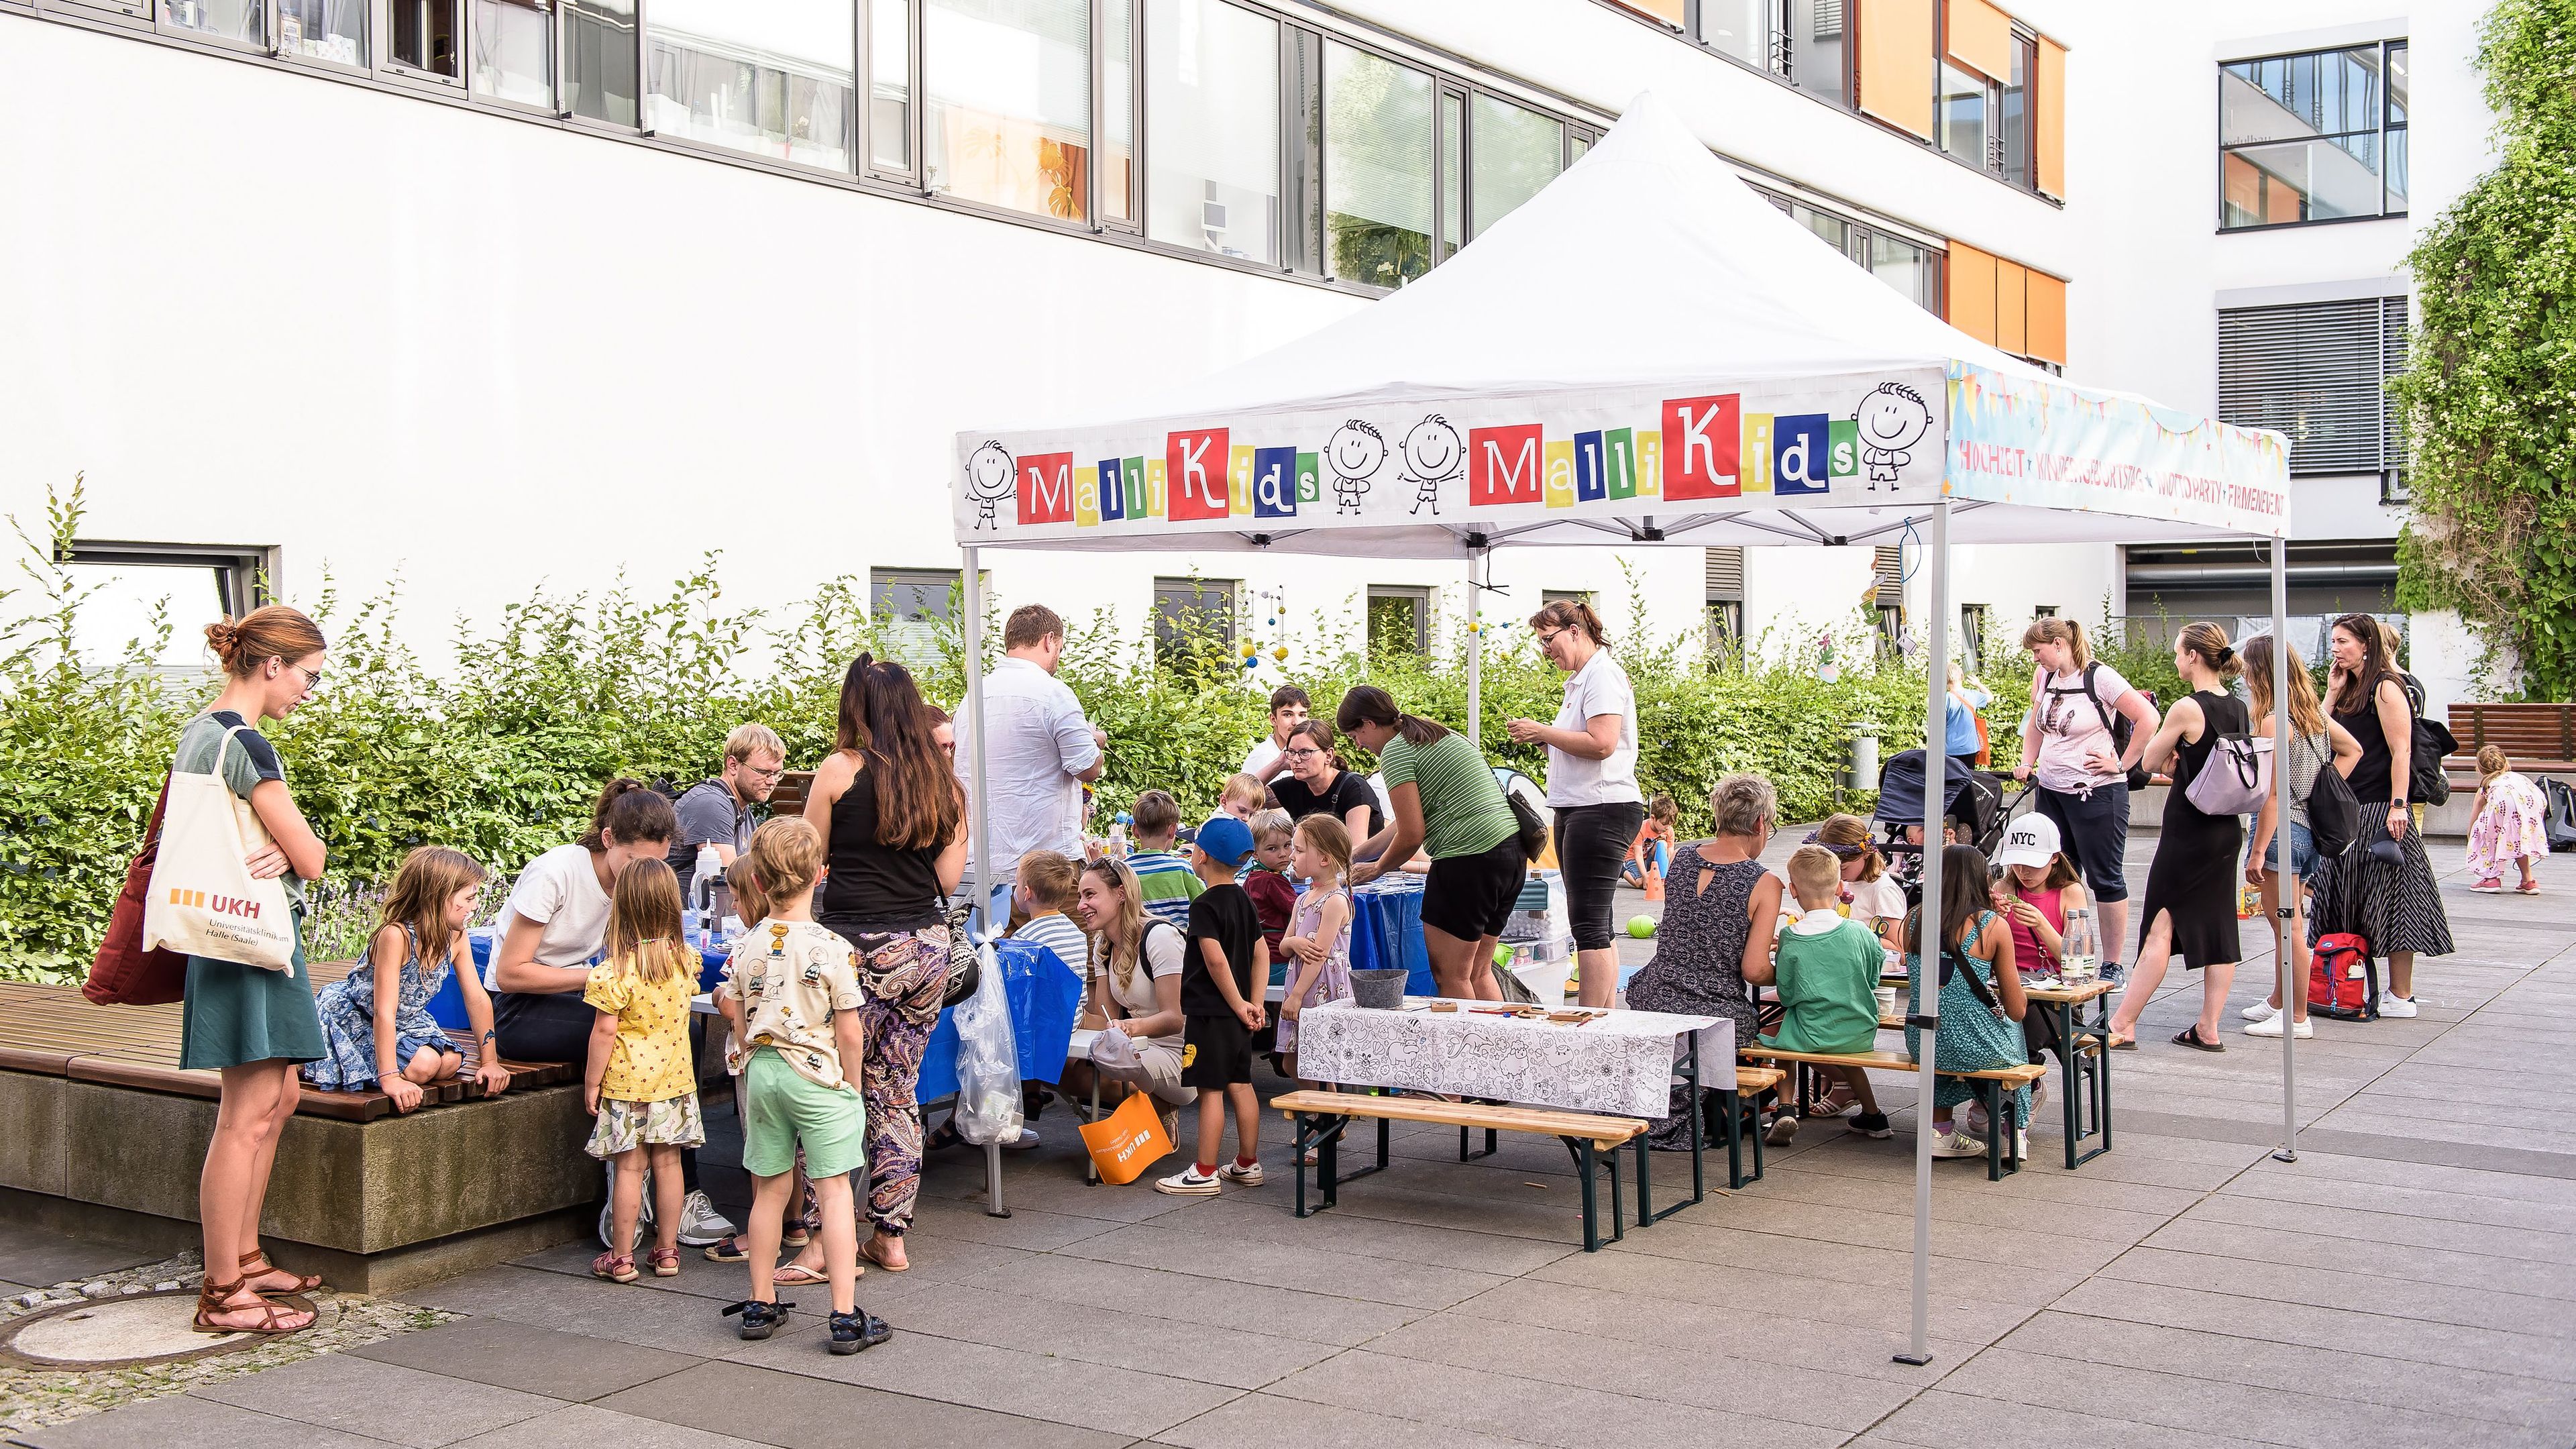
[271, 631]
[2207, 642]
[885, 724]
[644, 921]
[633, 812]
[418, 898]
[2306, 718]
[1848, 837]
[1123, 940]
[2361, 686]
[1967, 888]
[1367, 704]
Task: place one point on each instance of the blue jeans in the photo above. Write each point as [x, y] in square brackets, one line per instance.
[2303, 852]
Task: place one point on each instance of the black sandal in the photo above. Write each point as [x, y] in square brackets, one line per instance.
[857, 1331]
[944, 1135]
[2189, 1036]
[759, 1320]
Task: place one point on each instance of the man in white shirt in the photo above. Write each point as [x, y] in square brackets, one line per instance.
[1267, 760]
[1041, 751]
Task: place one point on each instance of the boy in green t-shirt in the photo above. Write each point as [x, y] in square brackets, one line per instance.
[1827, 968]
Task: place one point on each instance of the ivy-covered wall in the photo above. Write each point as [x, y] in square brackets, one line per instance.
[2489, 395]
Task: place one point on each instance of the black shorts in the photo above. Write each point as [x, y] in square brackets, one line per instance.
[1216, 1052]
[1471, 896]
[2095, 831]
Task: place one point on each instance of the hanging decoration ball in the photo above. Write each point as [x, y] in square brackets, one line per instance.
[1280, 653]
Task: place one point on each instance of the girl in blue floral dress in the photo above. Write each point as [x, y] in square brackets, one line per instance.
[1980, 1018]
[379, 1012]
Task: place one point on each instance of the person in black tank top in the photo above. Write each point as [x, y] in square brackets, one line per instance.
[2190, 907]
[2396, 903]
[893, 821]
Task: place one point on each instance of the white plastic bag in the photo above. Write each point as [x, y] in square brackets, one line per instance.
[203, 901]
[988, 1063]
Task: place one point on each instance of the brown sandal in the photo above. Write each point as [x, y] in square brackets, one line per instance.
[256, 1261]
[212, 1297]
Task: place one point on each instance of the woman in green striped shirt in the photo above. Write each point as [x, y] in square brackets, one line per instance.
[1446, 803]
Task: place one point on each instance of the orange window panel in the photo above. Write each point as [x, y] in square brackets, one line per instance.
[1972, 291]
[2008, 307]
[1980, 38]
[1667, 11]
[2048, 110]
[1896, 63]
[2045, 319]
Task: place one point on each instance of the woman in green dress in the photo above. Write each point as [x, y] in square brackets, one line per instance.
[252, 1024]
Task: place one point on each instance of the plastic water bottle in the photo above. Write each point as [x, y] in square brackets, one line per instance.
[1118, 838]
[2082, 947]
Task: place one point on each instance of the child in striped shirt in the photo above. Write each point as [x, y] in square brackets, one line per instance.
[1163, 877]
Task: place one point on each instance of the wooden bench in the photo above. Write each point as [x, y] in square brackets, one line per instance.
[1319, 1118]
[2536, 738]
[1989, 1084]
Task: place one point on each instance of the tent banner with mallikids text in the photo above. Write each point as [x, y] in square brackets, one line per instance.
[1537, 456]
[2042, 443]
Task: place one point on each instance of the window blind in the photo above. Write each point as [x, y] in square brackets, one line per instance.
[2315, 373]
[1725, 574]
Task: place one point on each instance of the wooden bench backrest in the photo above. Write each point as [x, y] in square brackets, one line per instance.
[789, 798]
[2522, 731]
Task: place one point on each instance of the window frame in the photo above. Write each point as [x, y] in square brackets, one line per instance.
[383, 66]
[245, 569]
[1421, 597]
[366, 47]
[856, 170]
[863, 79]
[563, 76]
[1230, 612]
[554, 106]
[150, 10]
[2218, 177]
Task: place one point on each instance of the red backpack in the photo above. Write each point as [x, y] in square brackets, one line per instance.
[2343, 980]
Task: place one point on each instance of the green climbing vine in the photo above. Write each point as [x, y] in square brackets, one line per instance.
[2489, 397]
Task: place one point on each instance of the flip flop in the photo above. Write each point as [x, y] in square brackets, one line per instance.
[2189, 1036]
[2124, 1043]
[882, 1263]
[797, 1275]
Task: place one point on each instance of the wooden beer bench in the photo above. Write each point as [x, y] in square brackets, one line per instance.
[1319, 1119]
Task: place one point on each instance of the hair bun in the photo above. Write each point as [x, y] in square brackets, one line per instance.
[2226, 652]
[224, 637]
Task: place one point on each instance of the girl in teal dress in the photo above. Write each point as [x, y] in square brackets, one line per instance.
[1973, 1035]
[252, 1024]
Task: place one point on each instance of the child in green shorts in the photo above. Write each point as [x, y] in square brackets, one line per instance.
[792, 992]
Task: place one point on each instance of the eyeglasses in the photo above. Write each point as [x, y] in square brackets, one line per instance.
[312, 677]
[1299, 754]
[754, 772]
[1548, 639]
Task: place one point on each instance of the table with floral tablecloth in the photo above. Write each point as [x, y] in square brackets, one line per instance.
[1619, 1063]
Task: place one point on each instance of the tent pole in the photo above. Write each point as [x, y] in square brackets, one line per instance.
[1476, 558]
[974, 709]
[1927, 958]
[2285, 956]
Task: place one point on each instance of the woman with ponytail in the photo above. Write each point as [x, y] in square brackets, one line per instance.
[1448, 804]
[2191, 887]
[2069, 748]
[252, 1025]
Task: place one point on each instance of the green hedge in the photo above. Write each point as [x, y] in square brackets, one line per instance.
[501, 754]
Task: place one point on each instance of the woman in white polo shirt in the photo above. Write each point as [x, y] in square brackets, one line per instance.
[1591, 780]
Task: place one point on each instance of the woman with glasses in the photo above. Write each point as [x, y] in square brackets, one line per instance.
[252, 1025]
[1316, 783]
[1591, 780]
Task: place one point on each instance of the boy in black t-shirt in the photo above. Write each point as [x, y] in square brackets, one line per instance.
[1223, 974]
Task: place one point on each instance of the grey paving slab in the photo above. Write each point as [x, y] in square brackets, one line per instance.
[509, 1355]
[2451, 1206]
[1568, 1415]
[1014, 1381]
[1956, 1310]
[1268, 1421]
[798, 1412]
[1288, 1264]
[2323, 1287]
[2329, 1420]
[35, 1258]
[581, 1426]
[1188, 1298]
[2372, 1335]
[2362, 1226]
[1727, 1332]
[677, 1323]
[2431, 1177]
[379, 1400]
[186, 1421]
[1139, 1338]
[1939, 1420]
[1030, 1229]
[1462, 1244]
[697, 1278]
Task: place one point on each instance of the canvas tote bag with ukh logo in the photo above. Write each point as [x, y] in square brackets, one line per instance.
[203, 901]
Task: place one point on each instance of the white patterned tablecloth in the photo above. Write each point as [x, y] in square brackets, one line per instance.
[1621, 1063]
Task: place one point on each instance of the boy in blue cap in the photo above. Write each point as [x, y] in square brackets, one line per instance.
[1223, 972]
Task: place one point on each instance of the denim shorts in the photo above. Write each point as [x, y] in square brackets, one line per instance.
[2303, 852]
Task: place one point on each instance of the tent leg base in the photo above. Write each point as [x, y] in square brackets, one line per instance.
[1914, 1360]
[2286, 1154]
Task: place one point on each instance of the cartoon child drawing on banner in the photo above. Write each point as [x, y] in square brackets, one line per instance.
[989, 474]
[1355, 452]
[1432, 456]
[1892, 419]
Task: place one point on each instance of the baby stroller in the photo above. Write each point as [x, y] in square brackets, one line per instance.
[1975, 800]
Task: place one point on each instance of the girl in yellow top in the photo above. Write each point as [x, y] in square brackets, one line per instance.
[639, 1083]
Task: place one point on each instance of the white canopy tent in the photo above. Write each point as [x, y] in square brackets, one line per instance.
[1646, 353]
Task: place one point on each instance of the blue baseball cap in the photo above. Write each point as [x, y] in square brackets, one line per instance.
[1227, 841]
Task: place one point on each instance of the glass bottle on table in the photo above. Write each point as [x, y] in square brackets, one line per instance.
[2082, 949]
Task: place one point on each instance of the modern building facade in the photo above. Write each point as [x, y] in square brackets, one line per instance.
[490, 295]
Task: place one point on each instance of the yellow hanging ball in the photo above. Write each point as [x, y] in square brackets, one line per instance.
[1280, 653]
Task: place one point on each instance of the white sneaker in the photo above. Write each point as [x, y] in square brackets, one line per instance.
[1188, 1183]
[2271, 1026]
[2261, 1010]
[1241, 1175]
[2039, 1094]
[700, 1223]
[1957, 1144]
[2397, 1006]
[643, 1213]
[1027, 1139]
[1971, 1121]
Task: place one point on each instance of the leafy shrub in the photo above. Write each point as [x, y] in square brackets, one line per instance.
[502, 754]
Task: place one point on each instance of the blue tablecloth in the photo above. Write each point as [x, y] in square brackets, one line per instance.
[1386, 933]
[447, 1004]
[1045, 997]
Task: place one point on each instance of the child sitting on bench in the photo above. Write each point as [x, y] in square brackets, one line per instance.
[1827, 972]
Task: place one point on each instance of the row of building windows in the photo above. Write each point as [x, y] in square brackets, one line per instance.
[2317, 136]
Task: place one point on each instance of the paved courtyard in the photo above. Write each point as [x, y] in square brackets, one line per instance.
[2411, 1280]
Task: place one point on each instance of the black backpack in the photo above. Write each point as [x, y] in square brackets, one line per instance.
[2334, 815]
[2562, 814]
[2432, 742]
[2120, 725]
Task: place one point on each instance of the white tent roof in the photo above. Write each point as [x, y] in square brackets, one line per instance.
[1647, 274]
